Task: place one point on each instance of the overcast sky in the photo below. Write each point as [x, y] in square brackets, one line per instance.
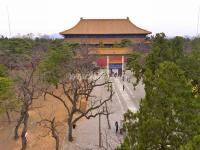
[174, 17]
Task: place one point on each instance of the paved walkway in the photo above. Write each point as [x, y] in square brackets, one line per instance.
[86, 134]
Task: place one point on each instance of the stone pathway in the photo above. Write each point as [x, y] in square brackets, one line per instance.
[86, 134]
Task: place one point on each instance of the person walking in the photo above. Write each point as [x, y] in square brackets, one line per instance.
[116, 126]
[123, 87]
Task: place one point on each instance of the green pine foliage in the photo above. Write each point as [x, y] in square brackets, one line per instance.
[53, 67]
[16, 45]
[193, 144]
[123, 43]
[164, 50]
[8, 101]
[134, 63]
[168, 118]
[167, 114]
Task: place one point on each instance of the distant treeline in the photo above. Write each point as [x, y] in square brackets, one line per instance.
[13, 50]
[26, 45]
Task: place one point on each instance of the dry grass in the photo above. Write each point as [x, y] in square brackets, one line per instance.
[35, 132]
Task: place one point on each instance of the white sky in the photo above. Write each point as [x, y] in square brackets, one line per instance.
[174, 17]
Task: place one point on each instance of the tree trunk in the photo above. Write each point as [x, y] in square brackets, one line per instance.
[70, 126]
[56, 137]
[100, 130]
[57, 143]
[54, 133]
[19, 122]
[107, 116]
[24, 141]
[24, 132]
[8, 116]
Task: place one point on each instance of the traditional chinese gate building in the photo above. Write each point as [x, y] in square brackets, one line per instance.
[103, 37]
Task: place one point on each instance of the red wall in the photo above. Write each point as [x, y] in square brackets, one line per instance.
[102, 60]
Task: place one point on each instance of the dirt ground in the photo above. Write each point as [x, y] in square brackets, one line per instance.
[37, 135]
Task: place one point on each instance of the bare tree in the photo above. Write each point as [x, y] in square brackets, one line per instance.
[49, 122]
[78, 92]
[51, 125]
[77, 89]
[28, 89]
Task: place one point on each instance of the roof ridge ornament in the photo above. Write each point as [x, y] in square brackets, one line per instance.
[127, 18]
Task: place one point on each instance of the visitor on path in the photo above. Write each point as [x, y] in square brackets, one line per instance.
[115, 74]
[117, 126]
[74, 126]
[123, 87]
